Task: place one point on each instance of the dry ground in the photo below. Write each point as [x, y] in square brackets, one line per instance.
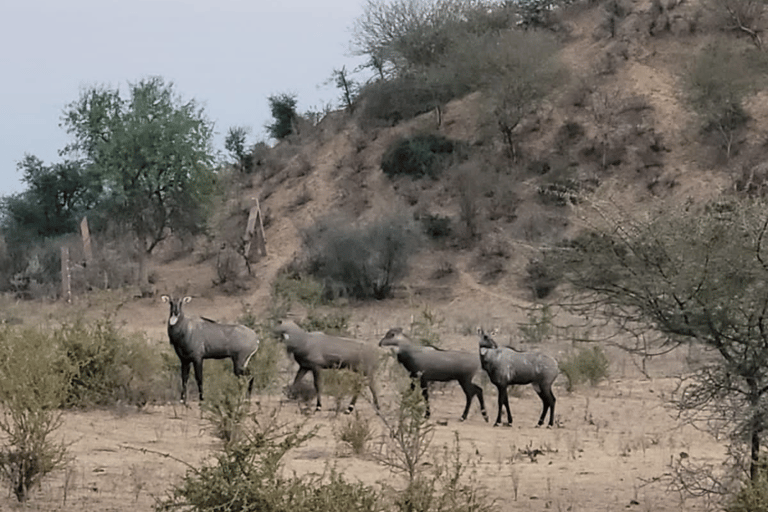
[609, 441]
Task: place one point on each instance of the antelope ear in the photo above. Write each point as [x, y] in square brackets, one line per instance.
[165, 298]
[186, 299]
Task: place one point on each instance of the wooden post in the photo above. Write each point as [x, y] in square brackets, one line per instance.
[255, 228]
[86, 236]
[66, 277]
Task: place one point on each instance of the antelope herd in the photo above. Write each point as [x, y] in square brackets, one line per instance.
[197, 338]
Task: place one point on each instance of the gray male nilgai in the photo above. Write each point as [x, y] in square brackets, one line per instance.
[314, 351]
[430, 364]
[506, 366]
[195, 338]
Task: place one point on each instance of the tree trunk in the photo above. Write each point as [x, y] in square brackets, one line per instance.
[147, 290]
[754, 467]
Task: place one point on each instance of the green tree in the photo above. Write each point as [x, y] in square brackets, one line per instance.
[400, 35]
[153, 153]
[235, 144]
[56, 197]
[719, 79]
[687, 275]
[283, 109]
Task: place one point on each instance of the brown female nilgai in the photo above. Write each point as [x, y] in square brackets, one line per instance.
[429, 364]
[314, 351]
[506, 366]
[195, 338]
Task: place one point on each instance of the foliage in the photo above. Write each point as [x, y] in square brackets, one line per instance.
[355, 432]
[752, 496]
[362, 262]
[33, 383]
[541, 279]
[399, 36]
[425, 327]
[283, 109]
[247, 476]
[293, 286]
[539, 325]
[409, 435]
[235, 144]
[348, 87]
[520, 70]
[535, 13]
[686, 275]
[336, 322]
[402, 98]
[34, 222]
[719, 79]
[745, 16]
[418, 156]
[57, 197]
[226, 407]
[152, 152]
[436, 226]
[107, 366]
[586, 365]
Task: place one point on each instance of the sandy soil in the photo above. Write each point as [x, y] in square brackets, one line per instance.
[608, 444]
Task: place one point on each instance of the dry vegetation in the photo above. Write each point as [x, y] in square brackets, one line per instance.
[621, 128]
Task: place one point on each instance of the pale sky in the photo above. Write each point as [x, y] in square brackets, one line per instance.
[229, 55]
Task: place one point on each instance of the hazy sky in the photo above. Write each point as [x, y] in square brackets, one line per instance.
[229, 55]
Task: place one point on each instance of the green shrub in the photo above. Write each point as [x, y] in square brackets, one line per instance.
[392, 101]
[586, 365]
[336, 322]
[539, 325]
[753, 495]
[108, 366]
[419, 156]
[226, 407]
[436, 226]
[361, 262]
[292, 286]
[283, 109]
[34, 380]
[541, 278]
[247, 476]
[409, 435]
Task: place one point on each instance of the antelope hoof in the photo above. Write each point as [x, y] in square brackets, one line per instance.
[350, 409]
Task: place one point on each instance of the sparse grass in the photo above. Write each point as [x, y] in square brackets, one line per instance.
[355, 432]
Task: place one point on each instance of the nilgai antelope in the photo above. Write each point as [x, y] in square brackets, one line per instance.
[195, 338]
[314, 351]
[430, 364]
[506, 366]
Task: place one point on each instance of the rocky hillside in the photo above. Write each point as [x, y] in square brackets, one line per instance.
[619, 128]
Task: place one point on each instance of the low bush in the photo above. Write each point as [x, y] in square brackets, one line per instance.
[586, 365]
[34, 382]
[361, 262]
[108, 366]
[419, 156]
[355, 433]
[388, 102]
[540, 278]
[753, 495]
[436, 227]
[247, 476]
